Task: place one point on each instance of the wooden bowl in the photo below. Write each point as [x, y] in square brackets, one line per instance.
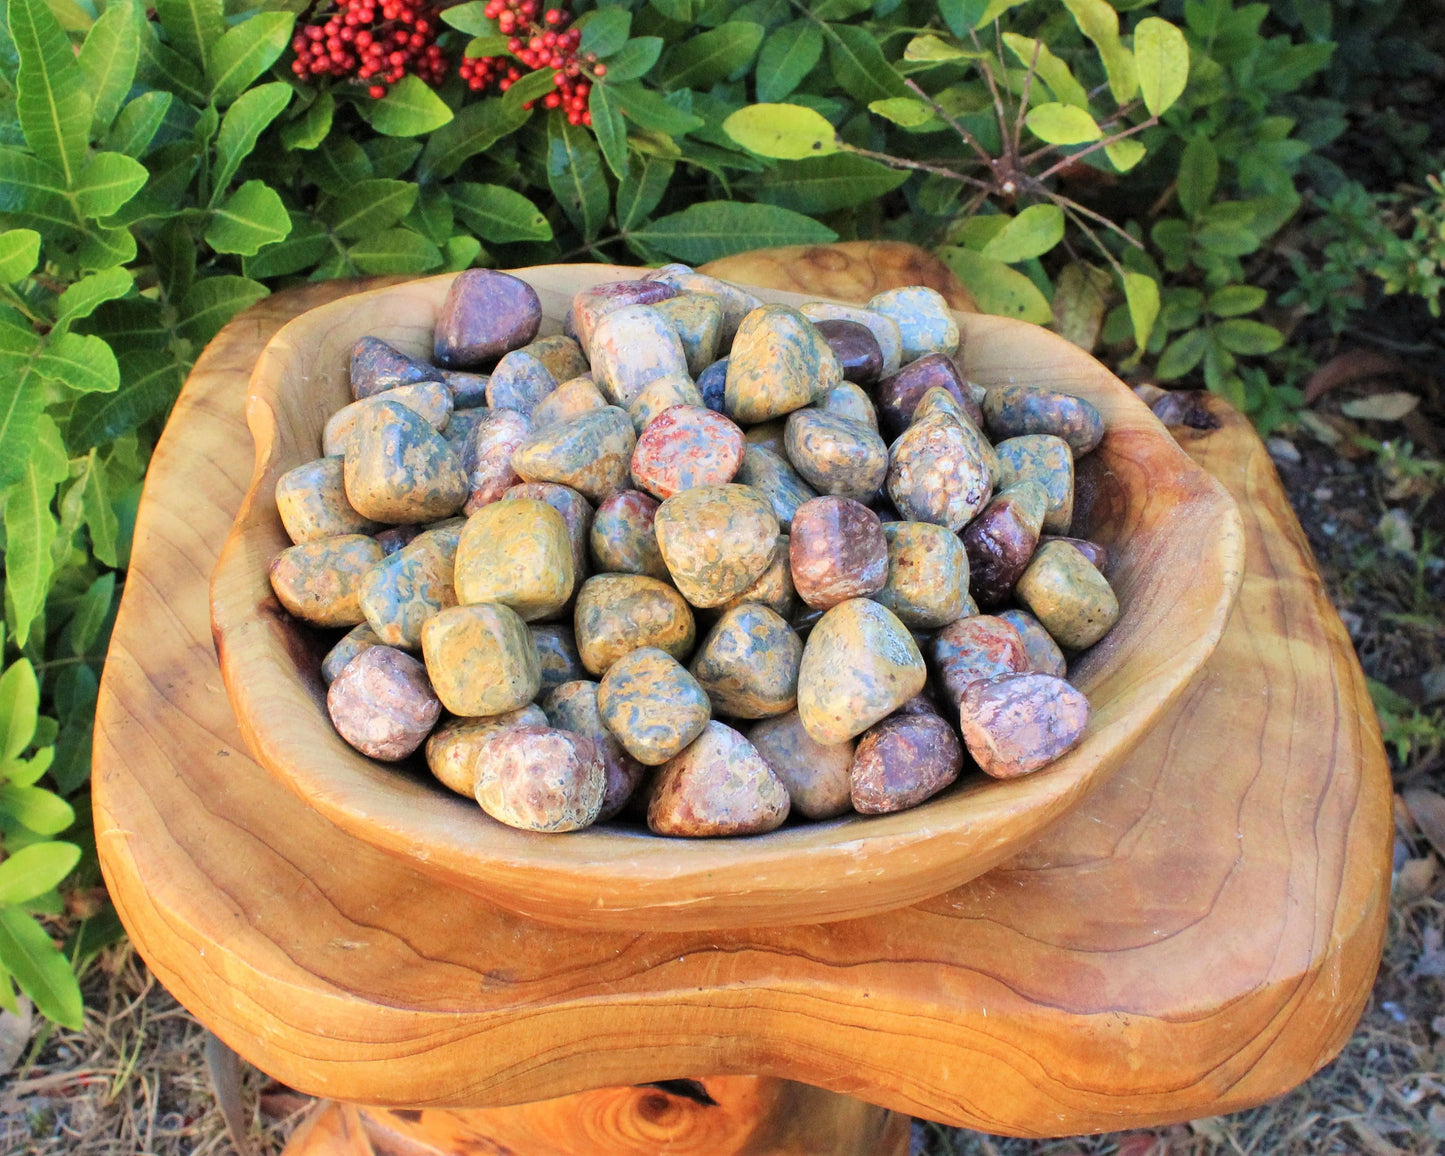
[1176, 552]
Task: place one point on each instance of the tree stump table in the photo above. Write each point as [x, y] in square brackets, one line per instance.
[1198, 936]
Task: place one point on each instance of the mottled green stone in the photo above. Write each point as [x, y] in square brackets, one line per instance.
[748, 663]
[311, 500]
[926, 323]
[848, 400]
[716, 541]
[400, 470]
[736, 302]
[573, 707]
[936, 475]
[774, 587]
[718, 786]
[1068, 595]
[1015, 410]
[430, 400]
[660, 395]
[540, 779]
[779, 363]
[404, 589]
[939, 400]
[632, 347]
[562, 356]
[697, 320]
[884, 329]
[618, 613]
[836, 454]
[570, 399]
[516, 552]
[519, 382]
[451, 752]
[357, 639]
[815, 774]
[592, 453]
[481, 659]
[927, 583]
[623, 540]
[1047, 460]
[771, 475]
[652, 704]
[320, 581]
[859, 665]
[1045, 657]
[768, 435]
[557, 654]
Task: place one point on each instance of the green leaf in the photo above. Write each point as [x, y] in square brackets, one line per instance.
[30, 528]
[469, 18]
[996, 288]
[22, 401]
[906, 112]
[108, 182]
[1248, 337]
[531, 87]
[82, 298]
[395, 251]
[100, 520]
[193, 27]
[712, 229]
[1100, 23]
[702, 61]
[213, 301]
[51, 100]
[152, 381]
[369, 206]
[82, 363]
[42, 972]
[859, 65]
[1062, 124]
[162, 67]
[788, 55]
[1125, 154]
[476, 128]
[1234, 300]
[19, 709]
[1198, 175]
[604, 30]
[785, 131]
[244, 121]
[250, 219]
[409, 109]
[109, 58]
[19, 254]
[1032, 233]
[138, 124]
[574, 172]
[821, 185]
[641, 190]
[930, 49]
[310, 129]
[1182, 354]
[1141, 292]
[460, 253]
[1161, 57]
[498, 214]
[1049, 68]
[650, 112]
[962, 16]
[35, 869]
[610, 130]
[634, 59]
[245, 52]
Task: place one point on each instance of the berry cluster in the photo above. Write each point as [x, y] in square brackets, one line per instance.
[374, 40]
[548, 44]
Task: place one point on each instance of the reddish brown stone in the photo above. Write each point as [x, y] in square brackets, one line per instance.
[686, 446]
[976, 648]
[622, 538]
[836, 551]
[1002, 539]
[898, 396]
[855, 347]
[719, 785]
[540, 779]
[485, 314]
[1018, 723]
[902, 761]
[382, 703]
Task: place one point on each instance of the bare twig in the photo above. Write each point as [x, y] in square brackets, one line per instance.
[922, 166]
[968, 137]
[1018, 132]
[1095, 147]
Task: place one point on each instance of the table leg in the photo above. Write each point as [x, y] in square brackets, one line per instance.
[717, 1116]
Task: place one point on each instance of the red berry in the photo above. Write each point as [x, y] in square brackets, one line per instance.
[600, 70]
[377, 91]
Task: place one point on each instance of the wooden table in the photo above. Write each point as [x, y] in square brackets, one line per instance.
[1199, 936]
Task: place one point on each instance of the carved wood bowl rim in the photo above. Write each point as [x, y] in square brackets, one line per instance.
[1176, 563]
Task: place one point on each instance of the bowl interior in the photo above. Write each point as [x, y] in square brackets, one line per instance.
[1176, 553]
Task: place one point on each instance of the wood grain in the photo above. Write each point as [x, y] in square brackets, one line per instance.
[1176, 558]
[1198, 936]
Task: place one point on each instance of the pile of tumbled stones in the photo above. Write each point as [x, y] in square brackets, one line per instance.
[529, 537]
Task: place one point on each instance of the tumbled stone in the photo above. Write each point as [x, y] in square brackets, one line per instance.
[769, 435]
[429, 399]
[357, 639]
[481, 659]
[938, 400]
[697, 320]
[966, 406]
[686, 446]
[836, 455]
[859, 665]
[573, 707]
[898, 395]
[1018, 723]
[884, 329]
[848, 400]
[320, 581]
[377, 366]
[719, 785]
[1045, 657]
[816, 775]
[459, 429]
[652, 704]
[591, 305]
[1044, 459]
[488, 457]
[382, 703]
[618, 613]
[395, 538]
[468, 390]
[1068, 595]
[1016, 410]
[748, 663]
[540, 779]
[1097, 554]
[712, 384]
[924, 320]
[515, 552]
[1002, 539]
[485, 314]
[659, 396]
[577, 514]
[920, 703]
[770, 474]
[980, 646]
[311, 500]
[935, 474]
[398, 469]
[855, 347]
[556, 654]
[902, 761]
[736, 302]
[774, 587]
[570, 399]
[715, 540]
[590, 453]
[623, 539]
[632, 347]
[451, 752]
[562, 356]
[837, 551]
[927, 584]
[404, 589]
[519, 382]
[779, 361]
